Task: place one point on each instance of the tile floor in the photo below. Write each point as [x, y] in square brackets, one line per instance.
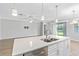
[6, 47]
[74, 48]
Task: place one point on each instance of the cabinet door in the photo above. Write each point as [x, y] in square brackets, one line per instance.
[53, 50]
[63, 48]
[66, 47]
[53, 54]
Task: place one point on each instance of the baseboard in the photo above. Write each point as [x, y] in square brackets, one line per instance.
[74, 40]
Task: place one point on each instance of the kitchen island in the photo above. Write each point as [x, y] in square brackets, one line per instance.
[28, 46]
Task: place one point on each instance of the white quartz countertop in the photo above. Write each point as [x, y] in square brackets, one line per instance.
[24, 45]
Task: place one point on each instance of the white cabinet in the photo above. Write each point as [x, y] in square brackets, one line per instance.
[53, 50]
[59, 49]
[64, 48]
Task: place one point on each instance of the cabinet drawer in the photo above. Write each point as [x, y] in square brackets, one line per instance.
[53, 54]
[52, 47]
[52, 51]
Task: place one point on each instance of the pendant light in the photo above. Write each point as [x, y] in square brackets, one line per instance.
[42, 12]
[74, 21]
[56, 20]
[30, 19]
[14, 11]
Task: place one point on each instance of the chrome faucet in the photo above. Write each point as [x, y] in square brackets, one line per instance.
[46, 34]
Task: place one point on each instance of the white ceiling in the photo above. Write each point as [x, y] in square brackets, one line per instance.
[34, 9]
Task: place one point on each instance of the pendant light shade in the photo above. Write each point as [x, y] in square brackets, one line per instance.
[14, 12]
[56, 21]
[30, 18]
[74, 21]
[42, 18]
[42, 12]
[30, 21]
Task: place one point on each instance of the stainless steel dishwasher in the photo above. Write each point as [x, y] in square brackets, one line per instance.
[38, 52]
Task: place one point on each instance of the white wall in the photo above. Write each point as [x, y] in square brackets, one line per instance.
[0, 29]
[15, 28]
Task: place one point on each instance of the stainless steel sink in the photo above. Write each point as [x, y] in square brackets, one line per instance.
[49, 40]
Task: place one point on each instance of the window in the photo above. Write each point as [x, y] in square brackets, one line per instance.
[61, 29]
[76, 27]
